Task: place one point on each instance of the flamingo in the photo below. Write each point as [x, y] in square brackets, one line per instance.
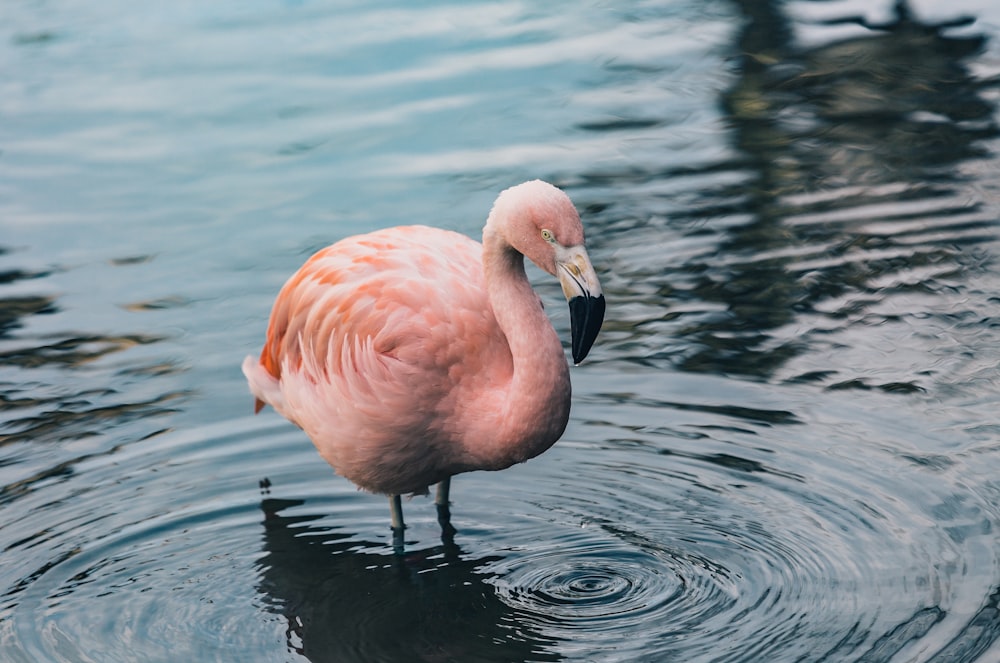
[412, 354]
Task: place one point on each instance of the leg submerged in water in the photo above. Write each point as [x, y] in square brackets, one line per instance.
[398, 526]
[444, 510]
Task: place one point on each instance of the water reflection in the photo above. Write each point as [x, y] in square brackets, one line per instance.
[56, 387]
[72, 351]
[855, 150]
[843, 242]
[348, 600]
[14, 308]
[849, 203]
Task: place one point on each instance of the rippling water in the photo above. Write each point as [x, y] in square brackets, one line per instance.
[784, 446]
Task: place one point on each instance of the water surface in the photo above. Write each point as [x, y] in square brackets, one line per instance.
[783, 446]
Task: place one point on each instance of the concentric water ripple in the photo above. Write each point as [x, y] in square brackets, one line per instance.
[755, 553]
[682, 588]
[601, 589]
[628, 541]
[159, 564]
[686, 586]
[149, 571]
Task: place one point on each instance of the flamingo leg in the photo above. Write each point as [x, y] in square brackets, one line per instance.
[444, 512]
[441, 497]
[396, 509]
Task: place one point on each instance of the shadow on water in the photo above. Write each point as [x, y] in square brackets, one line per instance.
[348, 600]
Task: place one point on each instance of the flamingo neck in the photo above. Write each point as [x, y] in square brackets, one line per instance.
[537, 399]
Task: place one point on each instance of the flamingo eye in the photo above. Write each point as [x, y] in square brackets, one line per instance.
[547, 235]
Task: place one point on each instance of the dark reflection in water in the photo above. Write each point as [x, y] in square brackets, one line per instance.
[70, 417]
[73, 351]
[853, 191]
[845, 229]
[347, 600]
[48, 396]
[14, 308]
[872, 129]
[971, 642]
[977, 635]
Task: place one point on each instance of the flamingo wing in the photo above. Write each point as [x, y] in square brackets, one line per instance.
[370, 347]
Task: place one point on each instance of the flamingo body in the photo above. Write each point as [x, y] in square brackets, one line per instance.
[411, 354]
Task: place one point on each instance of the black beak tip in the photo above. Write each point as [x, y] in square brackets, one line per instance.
[586, 314]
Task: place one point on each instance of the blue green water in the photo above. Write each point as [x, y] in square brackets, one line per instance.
[783, 447]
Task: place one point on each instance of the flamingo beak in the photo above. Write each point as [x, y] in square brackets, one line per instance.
[586, 300]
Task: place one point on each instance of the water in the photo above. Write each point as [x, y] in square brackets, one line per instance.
[783, 446]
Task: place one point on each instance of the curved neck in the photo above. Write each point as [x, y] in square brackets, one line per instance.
[538, 396]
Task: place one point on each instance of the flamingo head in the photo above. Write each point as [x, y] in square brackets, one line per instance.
[541, 223]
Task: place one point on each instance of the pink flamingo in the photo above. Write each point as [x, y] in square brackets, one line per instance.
[412, 354]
